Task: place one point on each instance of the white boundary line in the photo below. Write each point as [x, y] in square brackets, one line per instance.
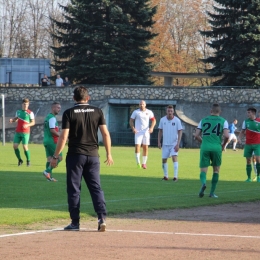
[133, 231]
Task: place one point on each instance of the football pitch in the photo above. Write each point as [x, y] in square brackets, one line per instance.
[27, 197]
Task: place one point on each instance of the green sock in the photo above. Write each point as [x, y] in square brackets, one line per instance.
[214, 182]
[203, 178]
[248, 170]
[48, 167]
[258, 169]
[17, 153]
[27, 154]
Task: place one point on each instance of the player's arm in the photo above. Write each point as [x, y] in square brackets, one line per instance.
[226, 137]
[177, 146]
[160, 134]
[54, 132]
[152, 125]
[60, 145]
[131, 123]
[13, 120]
[197, 135]
[107, 143]
[241, 135]
[32, 123]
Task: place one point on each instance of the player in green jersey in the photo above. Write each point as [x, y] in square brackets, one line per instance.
[25, 119]
[50, 139]
[209, 133]
[251, 130]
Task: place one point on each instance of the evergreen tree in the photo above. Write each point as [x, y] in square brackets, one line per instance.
[104, 41]
[235, 37]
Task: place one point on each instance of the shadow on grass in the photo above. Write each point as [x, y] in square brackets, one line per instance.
[126, 195]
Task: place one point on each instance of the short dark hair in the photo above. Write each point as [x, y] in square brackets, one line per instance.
[80, 93]
[55, 103]
[26, 100]
[170, 106]
[252, 109]
[216, 108]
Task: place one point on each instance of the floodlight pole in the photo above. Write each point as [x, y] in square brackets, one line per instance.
[3, 117]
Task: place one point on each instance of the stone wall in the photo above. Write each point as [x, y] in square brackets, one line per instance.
[194, 103]
[196, 94]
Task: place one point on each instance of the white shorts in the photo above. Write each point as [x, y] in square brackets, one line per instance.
[142, 138]
[168, 151]
[232, 137]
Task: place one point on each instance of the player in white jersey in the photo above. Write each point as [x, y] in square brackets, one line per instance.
[170, 130]
[139, 123]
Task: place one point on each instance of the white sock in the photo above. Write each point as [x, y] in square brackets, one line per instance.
[175, 168]
[137, 157]
[165, 169]
[145, 159]
[234, 146]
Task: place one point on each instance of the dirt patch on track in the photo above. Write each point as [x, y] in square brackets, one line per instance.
[228, 231]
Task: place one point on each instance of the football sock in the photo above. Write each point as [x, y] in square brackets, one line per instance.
[48, 168]
[248, 170]
[214, 182]
[137, 157]
[258, 169]
[17, 153]
[203, 178]
[175, 168]
[165, 169]
[234, 146]
[145, 159]
[28, 155]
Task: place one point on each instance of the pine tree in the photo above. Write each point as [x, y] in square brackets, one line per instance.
[104, 41]
[235, 37]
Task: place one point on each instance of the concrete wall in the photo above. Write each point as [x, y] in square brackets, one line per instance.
[191, 103]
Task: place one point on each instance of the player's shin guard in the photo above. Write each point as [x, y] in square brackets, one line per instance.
[27, 155]
[214, 182]
[249, 170]
[165, 169]
[203, 178]
[17, 153]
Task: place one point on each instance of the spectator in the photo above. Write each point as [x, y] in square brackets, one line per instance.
[59, 81]
[66, 82]
[45, 81]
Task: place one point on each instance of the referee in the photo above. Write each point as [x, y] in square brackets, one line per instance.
[80, 126]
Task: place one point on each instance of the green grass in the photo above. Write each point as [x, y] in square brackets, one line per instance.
[26, 196]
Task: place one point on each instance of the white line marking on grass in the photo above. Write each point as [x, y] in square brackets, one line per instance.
[133, 231]
[145, 198]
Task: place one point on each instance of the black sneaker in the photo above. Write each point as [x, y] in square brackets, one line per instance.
[203, 188]
[28, 163]
[72, 227]
[101, 225]
[20, 162]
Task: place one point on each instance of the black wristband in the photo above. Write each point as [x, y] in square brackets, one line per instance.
[56, 158]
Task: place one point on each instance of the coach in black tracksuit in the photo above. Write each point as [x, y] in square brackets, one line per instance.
[80, 125]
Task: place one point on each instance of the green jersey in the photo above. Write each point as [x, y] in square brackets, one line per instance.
[212, 130]
[50, 122]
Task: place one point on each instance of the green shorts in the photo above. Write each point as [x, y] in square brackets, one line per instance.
[250, 148]
[50, 149]
[209, 158]
[21, 137]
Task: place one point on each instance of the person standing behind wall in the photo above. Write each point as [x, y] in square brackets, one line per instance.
[59, 81]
